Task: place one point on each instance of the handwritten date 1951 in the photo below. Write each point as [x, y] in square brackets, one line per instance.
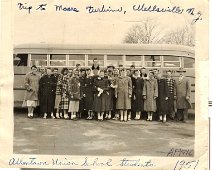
[186, 165]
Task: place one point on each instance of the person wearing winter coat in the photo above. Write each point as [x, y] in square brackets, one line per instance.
[88, 94]
[31, 83]
[46, 94]
[137, 94]
[74, 94]
[172, 95]
[150, 94]
[123, 94]
[100, 87]
[183, 92]
[162, 99]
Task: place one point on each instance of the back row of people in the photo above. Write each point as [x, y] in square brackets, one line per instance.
[104, 94]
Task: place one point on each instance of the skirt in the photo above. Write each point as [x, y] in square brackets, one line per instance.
[64, 103]
[30, 103]
[57, 102]
[99, 104]
[73, 106]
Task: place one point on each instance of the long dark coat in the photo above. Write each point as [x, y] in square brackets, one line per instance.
[55, 80]
[183, 89]
[89, 95]
[124, 90]
[137, 94]
[46, 94]
[111, 93]
[100, 102]
[150, 90]
[163, 92]
[82, 89]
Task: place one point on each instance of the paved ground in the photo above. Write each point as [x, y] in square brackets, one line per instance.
[83, 137]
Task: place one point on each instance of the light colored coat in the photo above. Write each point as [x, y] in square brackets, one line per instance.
[150, 90]
[31, 83]
[183, 90]
[123, 92]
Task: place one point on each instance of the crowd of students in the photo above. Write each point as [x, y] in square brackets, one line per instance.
[111, 93]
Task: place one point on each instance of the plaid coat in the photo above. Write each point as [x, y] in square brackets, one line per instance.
[64, 92]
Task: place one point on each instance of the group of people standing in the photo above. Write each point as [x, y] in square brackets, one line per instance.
[111, 93]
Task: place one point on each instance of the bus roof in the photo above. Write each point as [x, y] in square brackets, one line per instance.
[101, 48]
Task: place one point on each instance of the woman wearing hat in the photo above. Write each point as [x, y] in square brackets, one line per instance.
[183, 91]
[150, 93]
[123, 94]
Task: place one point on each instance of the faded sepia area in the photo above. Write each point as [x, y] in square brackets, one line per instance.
[138, 46]
[130, 39]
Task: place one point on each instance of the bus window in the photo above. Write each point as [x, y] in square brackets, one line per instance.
[76, 59]
[152, 61]
[188, 62]
[20, 60]
[171, 61]
[57, 60]
[100, 59]
[114, 60]
[133, 60]
[39, 59]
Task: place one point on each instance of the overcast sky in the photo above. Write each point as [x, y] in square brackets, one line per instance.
[50, 26]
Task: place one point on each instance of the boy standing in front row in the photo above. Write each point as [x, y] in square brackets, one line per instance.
[46, 94]
[183, 91]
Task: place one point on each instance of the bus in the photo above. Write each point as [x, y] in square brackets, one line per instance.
[161, 56]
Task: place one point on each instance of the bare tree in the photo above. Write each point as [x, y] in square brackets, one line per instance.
[149, 32]
[145, 33]
[180, 36]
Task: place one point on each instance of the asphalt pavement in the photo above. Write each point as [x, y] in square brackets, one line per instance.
[109, 138]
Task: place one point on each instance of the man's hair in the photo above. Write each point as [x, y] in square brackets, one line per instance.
[33, 66]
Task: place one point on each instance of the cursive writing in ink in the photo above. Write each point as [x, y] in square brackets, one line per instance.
[42, 7]
[91, 9]
[61, 8]
[155, 8]
[29, 161]
[197, 18]
[63, 162]
[25, 7]
[136, 162]
[96, 162]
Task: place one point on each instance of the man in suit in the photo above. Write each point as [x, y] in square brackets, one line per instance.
[183, 91]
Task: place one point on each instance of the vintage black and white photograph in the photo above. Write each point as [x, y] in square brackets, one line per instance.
[109, 87]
